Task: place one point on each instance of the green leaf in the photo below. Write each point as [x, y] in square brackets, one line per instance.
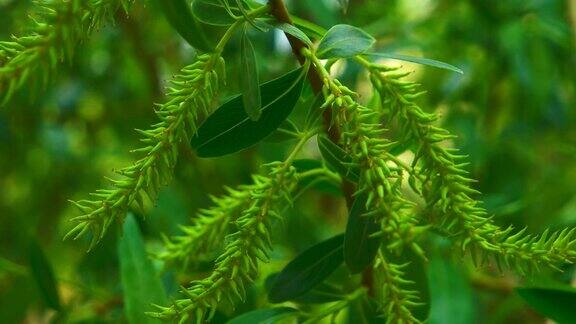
[140, 283]
[264, 316]
[309, 27]
[359, 248]
[43, 274]
[314, 112]
[294, 31]
[338, 159]
[556, 304]
[286, 132]
[229, 129]
[343, 41]
[249, 79]
[451, 298]
[213, 12]
[303, 165]
[362, 311]
[321, 294]
[180, 17]
[307, 270]
[320, 182]
[418, 60]
[323, 12]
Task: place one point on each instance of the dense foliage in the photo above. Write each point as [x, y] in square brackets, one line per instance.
[305, 161]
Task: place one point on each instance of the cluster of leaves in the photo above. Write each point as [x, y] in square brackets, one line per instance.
[357, 152]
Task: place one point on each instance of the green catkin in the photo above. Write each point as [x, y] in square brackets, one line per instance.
[394, 299]
[444, 184]
[239, 224]
[209, 228]
[56, 29]
[188, 99]
[245, 248]
[380, 181]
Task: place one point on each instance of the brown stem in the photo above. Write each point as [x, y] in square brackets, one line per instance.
[279, 11]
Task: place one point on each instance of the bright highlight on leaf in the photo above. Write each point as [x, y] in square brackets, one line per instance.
[344, 41]
[418, 60]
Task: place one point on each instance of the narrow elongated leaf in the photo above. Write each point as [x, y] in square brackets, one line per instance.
[338, 159]
[359, 248]
[43, 274]
[307, 270]
[229, 129]
[213, 12]
[294, 31]
[314, 112]
[140, 283]
[342, 41]
[180, 17]
[264, 316]
[249, 79]
[451, 296]
[322, 293]
[309, 27]
[556, 304]
[418, 60]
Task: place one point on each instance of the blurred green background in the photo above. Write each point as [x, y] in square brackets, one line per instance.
[513, 112]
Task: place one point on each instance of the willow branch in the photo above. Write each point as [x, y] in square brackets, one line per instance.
[279, 11]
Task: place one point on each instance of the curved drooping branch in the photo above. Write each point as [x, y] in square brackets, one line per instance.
[190, 96]
[58, 27]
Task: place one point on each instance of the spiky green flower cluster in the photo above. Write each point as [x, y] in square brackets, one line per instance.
[240, 223]
[237, 266]
[209, 228]
[436, 173]
[381, 173]
[446, 187]
[57, 28]
[190, 96]
[380, 181]
[394, 299]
